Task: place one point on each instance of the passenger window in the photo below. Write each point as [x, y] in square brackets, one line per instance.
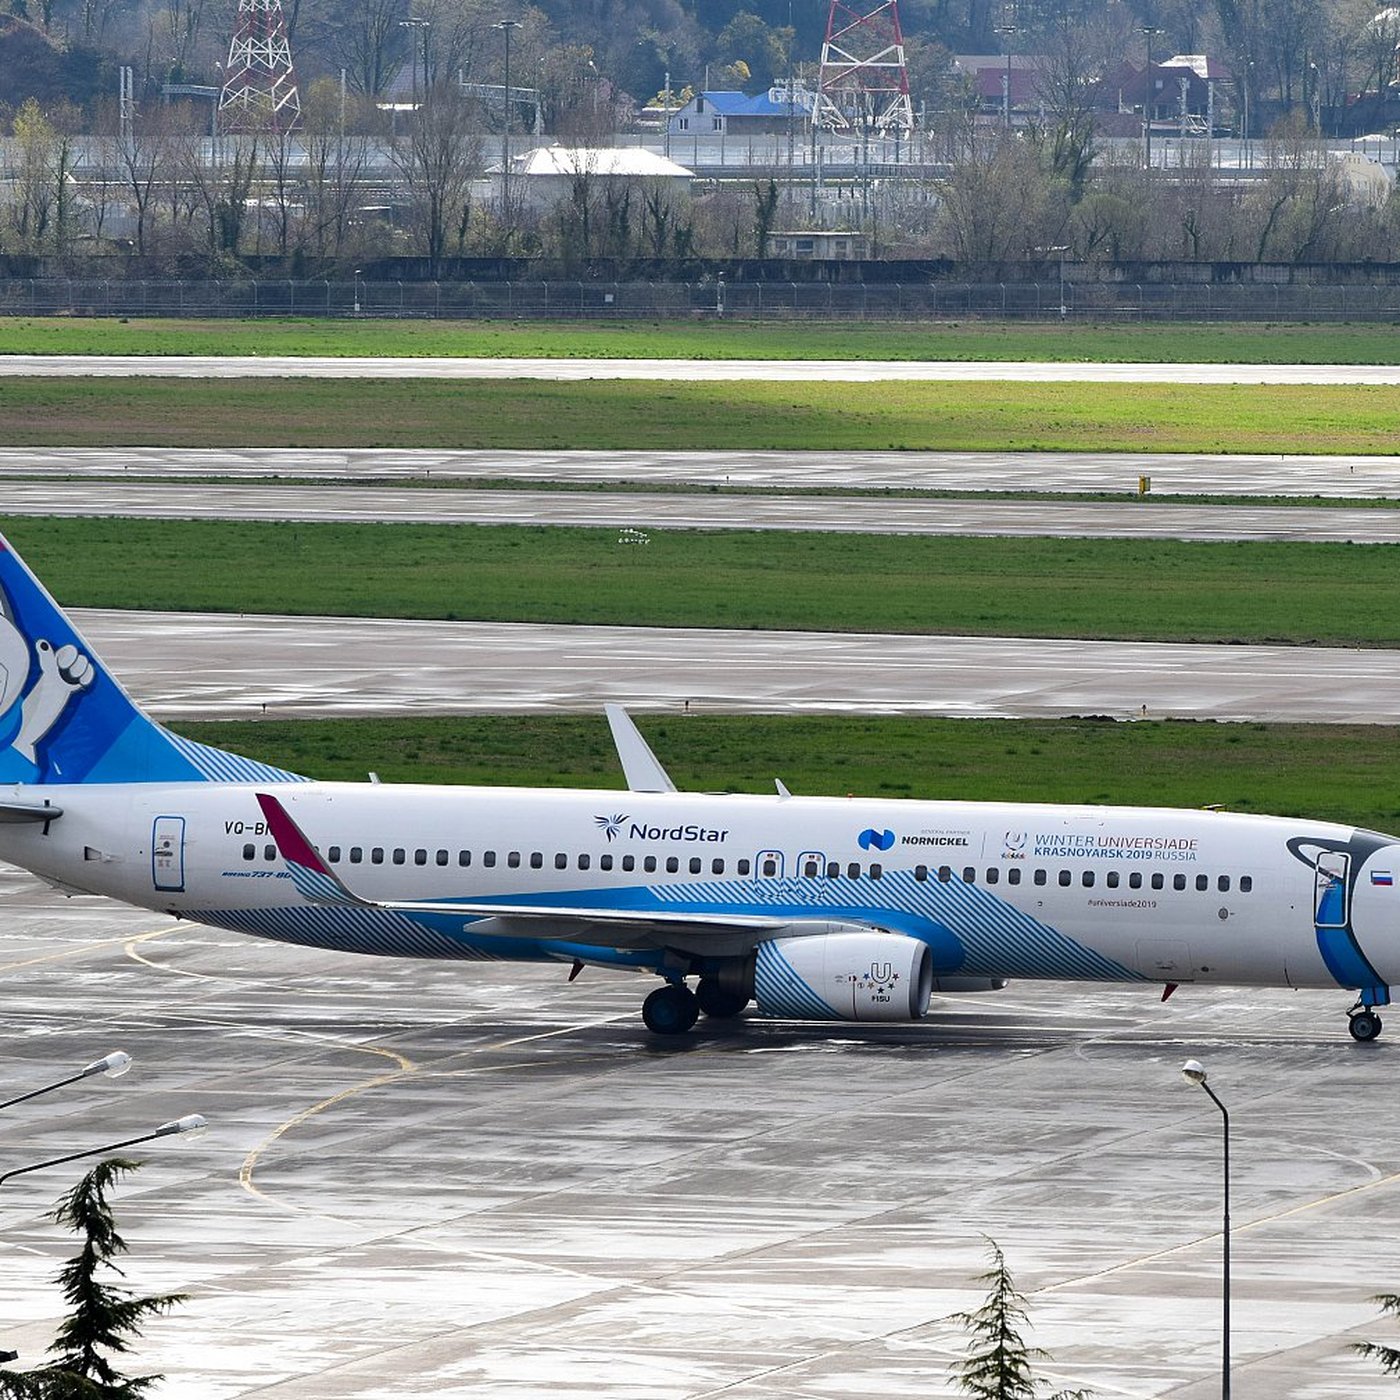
[561, 861]
[1135, 880]
[770, 868]
[1178, 882]
[249, 851]
[441, 857]
[853, 871]
[536, 860]
[945, 873]
[876, 871]
[488, 859]
[1223, 884]
[717, 867]
[1157, 881]
[333, 855]
[376, 856]
[1087, 879]
[1246, 883]
[993, 874]
[400, 855]
[1040, 877]
[921, 873]
[464, 858]
[672, 865]
[629, 862]
[513, 860]
[420, 856]
[833, 869]
[649, 864]
[743, 867]
[969, 875]
[1065, 877]
[1202, 882]
[696, 865]
[809, 870]
[269, 852]
[1013, 876]
[357, 854]
[584, 861]
[1111, 879]
[605, 862]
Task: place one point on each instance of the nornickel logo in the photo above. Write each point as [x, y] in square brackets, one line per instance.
[870, 839]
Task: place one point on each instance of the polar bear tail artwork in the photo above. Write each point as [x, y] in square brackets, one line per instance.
[64, 719]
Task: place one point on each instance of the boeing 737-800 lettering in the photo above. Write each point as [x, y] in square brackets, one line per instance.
[832, 909]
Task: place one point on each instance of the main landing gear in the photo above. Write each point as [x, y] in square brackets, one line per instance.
[1363, 1024]
[674, 1008]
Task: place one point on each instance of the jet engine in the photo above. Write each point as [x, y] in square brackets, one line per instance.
[861, 976]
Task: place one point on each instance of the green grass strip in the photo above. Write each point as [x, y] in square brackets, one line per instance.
[1154, 590]
[1337, 772]
[734, 416]
[709, 340]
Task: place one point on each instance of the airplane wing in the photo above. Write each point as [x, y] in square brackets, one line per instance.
[623, 928]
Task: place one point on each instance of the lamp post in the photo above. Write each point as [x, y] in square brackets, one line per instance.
[418, 25]
[1006, 31]
[1194, 1072]
[1149, 100]
[505, 26]
[190, 1123]
[114, 1066]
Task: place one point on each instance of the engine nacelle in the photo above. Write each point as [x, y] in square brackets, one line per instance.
[843, 977]
[955, 985]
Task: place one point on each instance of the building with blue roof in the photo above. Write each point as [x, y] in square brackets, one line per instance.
[768, 113]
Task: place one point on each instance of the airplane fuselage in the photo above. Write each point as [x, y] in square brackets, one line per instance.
[995, 890]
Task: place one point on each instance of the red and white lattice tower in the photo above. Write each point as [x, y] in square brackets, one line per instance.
[260, 88]
[864, 83]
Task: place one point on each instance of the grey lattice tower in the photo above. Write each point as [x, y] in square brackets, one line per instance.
[260, 88]
[864, 82]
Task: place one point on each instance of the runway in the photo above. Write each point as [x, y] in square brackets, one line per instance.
[1342, 477]
[709, 371]
[656, 511]
[200, 666]
[481, 1181]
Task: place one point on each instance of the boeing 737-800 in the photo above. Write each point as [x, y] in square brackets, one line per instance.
[832, 909]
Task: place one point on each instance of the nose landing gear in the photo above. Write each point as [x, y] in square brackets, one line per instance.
[1363, 1023]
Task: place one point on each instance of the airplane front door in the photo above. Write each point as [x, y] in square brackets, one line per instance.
[1330, 894]
[168, 853]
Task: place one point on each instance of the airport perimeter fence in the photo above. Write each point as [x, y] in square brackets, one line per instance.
[776, 301]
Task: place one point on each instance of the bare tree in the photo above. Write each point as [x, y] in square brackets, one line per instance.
[438, 158]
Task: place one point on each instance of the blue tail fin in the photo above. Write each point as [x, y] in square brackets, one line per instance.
[64, 719]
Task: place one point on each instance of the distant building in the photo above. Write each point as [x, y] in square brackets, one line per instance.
[548, 173]
[737, 114]
[1187, 89]
[996, 77]
[819, 245]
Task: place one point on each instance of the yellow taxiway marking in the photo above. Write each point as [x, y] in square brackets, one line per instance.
[78, 951]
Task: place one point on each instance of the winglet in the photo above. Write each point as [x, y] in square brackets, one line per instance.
[640, 766]
[310, 874]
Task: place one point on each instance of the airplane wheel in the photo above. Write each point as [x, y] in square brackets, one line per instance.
[670, 1010]
[717, 1002]
[1364, 1026]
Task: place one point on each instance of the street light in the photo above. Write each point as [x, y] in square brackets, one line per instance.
[422, 26]
[505, 26]
[1194, 1072]
[1006, 30]
[1149, 100]
[190, 1123]
[114, 1066]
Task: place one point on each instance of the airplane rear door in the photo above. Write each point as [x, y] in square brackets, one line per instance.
[168, 853]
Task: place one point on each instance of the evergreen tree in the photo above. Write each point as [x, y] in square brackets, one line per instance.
[998, 1363]
[103, 1317]
[1387, 1358]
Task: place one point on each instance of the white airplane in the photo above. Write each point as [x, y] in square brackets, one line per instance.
[833, 909]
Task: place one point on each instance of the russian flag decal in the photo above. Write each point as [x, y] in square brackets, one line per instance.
[1382, 877]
